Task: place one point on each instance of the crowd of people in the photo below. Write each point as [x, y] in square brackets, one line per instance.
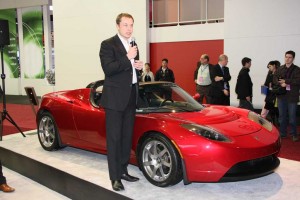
[282, 83]
[212, 84]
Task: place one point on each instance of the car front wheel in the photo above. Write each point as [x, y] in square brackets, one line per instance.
[47, 132]
[160, 162]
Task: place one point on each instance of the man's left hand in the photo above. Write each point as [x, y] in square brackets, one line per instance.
[282, 82]
[138, 64]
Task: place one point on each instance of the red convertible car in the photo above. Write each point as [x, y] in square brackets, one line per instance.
[175, 138]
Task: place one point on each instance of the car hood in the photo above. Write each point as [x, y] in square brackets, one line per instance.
[221, 119]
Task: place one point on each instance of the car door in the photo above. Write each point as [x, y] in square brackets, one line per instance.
[90, 123]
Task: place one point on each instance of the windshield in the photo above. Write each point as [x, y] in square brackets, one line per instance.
[165, 97]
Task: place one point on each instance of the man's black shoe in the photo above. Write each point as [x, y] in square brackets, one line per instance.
[129, 178]
[117, 185]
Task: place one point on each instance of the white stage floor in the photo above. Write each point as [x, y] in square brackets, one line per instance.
[27, 189]
[92, 167]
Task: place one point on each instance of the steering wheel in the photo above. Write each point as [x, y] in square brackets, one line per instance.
[164, 101]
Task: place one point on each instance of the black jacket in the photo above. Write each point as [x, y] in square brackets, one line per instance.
[167, 76]
[244, 84]
[270, 97]
[118, 74]
[291, 76]
[217, 87]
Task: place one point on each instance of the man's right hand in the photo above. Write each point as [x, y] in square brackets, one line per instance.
[226, 92]
[132, 52]
[218, 78]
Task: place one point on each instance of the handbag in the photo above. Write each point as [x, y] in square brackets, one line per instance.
[278, 90]
[264, 90]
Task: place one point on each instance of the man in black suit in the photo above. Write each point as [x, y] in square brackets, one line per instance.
[220, 89]
[120, 63]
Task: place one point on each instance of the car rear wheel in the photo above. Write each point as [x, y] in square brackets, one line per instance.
[47, 132]
[160, 162]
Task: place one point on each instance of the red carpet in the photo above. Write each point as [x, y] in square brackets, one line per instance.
[22, 115]
[25, 119]
[290, 150]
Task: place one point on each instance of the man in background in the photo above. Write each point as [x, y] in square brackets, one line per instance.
[288, 76]
[244, 85]
[164, 73]
[202, 77]
[220, 89]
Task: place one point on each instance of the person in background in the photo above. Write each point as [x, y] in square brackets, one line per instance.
[244, 85]
[269, 107]
[164, 73]
[288, 76]
[3, 184]
[220, 89]
[202, 77]
[120, 62]
[147, 75]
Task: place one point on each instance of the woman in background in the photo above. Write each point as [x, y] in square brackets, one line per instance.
[147, 75]
[270, 99]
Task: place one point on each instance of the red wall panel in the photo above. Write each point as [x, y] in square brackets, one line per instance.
[183, 58]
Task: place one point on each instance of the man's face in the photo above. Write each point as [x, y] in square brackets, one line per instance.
[203, 60]
[164, 64]
[224, 62]
[288, 59]
[248, 65]
[125, 28]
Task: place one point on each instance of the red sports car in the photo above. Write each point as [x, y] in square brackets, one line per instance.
[175, 137]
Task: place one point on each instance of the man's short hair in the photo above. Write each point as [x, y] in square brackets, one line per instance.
[245, 60]
[291, 53]
[205, 57]
[165, 59]
[222, 57]
[119, 17]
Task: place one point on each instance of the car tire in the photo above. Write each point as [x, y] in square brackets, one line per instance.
[48, 132]
[159, 161]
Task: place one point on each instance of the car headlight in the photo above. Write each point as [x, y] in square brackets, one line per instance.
[205, 132]
[260, 120]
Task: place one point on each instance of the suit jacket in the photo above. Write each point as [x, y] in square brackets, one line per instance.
[217, 87]
[291, 77]
[118, 74]
[168, 76]
[244, 84]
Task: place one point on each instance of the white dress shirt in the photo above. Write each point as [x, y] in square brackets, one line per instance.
[126, 44]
